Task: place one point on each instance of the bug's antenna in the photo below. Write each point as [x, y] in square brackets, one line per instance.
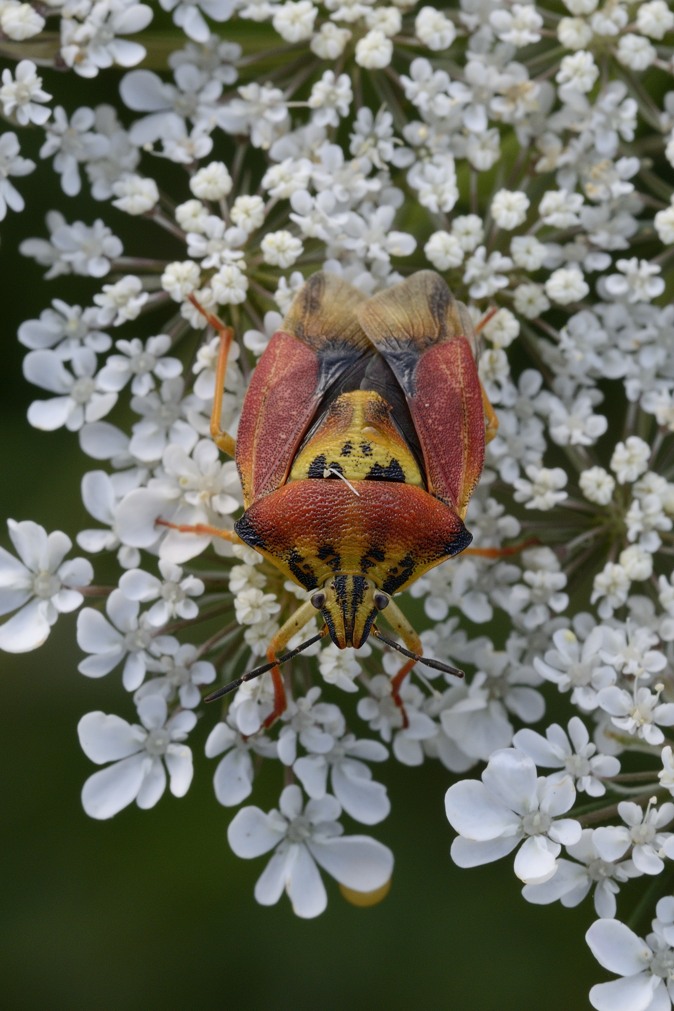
[263, 668]
[446, 668]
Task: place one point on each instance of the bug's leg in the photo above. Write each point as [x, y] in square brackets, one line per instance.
[222, 439]
[202, 528]
[511, 549]
[490, 419]
[277, 645]
[490, 313]
[401, 626]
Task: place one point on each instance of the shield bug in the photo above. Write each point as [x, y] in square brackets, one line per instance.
[361, 439]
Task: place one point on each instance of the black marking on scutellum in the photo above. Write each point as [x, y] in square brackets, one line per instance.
[317, 466]
[391, 472]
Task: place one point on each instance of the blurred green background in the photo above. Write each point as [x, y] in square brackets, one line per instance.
[151, 909]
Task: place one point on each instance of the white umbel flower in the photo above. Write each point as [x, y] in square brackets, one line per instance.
[39, 584]
[304, 839]
[644, 968]
[374, 50]
[141, 757]
[512, 806]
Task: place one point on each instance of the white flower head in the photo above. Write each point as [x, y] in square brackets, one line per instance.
[643, 967]
[509, 208]
[576, 877]
[140, 757]
[11, 164]
[512, 806]
[305, 838]
[38, 585]
[575, 754]
[22, 96]
[374, 50]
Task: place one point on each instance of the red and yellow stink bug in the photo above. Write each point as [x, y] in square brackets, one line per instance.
[361, 440]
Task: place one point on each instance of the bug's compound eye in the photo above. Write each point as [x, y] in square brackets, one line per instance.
[381, 600]
[318, 599]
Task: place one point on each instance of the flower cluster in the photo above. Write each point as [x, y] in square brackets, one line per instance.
[525, 152]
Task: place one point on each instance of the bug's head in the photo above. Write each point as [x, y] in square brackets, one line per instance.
[349, 605]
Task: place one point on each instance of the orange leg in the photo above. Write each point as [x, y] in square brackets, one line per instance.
[512, 549]
[297, 620]
[396, 685]
[490, 419]
[202, 528]
[490, 313]
[401, 626]
[222, 439]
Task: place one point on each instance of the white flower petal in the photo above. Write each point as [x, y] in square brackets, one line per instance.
[97, 666]
[469, 853]
[11, 599]
[511, 776]
[139, 585]
[107, 738]
[220, 739]
[12, 571]
[361, 798]
[48, 415]
[567, 878]
[537, 748]
[558, 795]
[611, 842]
[358, 862]
[95, 634]
[109, 791]
[646, 860]
[233, 779]
[25, 630]
[633, 993]
[536, 861]
[30, 542]
[45, 369]
[153, 784]
[98, 495]
[566, 831]
[58, 546]
[152, 711]
[304, 886]
[137, 514]
[617, 948]
[312, 772]
[251, 833]
[291, 802]
[475, 813]
[274, 878]
[180, 768]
